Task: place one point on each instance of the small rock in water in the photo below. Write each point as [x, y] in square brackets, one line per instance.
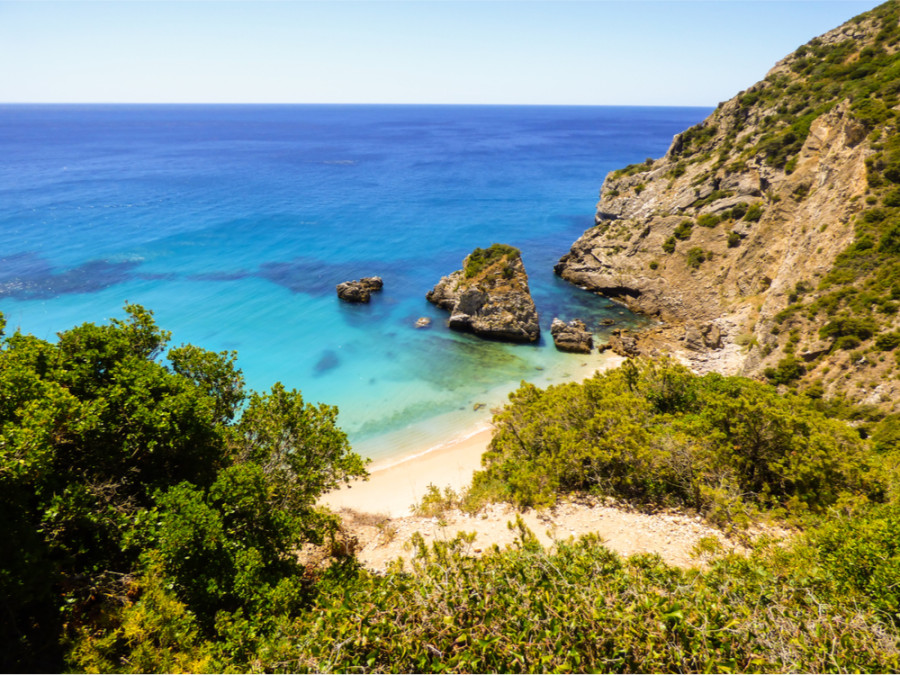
[423, 322]
[359, 291]
[478, 406]
[572, 336]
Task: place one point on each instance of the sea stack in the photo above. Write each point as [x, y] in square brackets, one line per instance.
[489, 296]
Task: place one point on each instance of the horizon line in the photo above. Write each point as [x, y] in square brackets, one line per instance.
[357, 103]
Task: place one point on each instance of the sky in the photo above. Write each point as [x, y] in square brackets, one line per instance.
[557, 52]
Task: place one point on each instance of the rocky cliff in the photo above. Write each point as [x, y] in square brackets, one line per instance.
[770, 223]
[489, 296]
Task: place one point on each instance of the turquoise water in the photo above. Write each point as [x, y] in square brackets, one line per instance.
[235, 223]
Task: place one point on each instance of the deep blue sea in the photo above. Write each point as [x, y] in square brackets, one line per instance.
[235, 223]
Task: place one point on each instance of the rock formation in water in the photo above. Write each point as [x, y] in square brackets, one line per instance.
[359, 291]
[774, 225]
[572, 336]
[489, 296]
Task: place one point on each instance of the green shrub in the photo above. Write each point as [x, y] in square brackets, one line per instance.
[754, 212]
[684, 229]
[669, 245]
[696, 256]
[888, 341]
[862, 328]
[652, 432]
[788, 370]
[708, 220]
[847, 342]
[582, 608]
[481, 258]
[734, 239]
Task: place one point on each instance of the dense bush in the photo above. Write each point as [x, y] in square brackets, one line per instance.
[581, 608]
[655, 433]
[114, 466]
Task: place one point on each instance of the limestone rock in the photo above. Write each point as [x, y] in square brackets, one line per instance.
[702, 336]
[359, 291]
[623, 343]
[494, 300]
[572, 336]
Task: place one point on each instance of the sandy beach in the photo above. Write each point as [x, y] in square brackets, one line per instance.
[392, 489]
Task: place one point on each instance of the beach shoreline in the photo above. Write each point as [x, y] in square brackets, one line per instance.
[395, 484]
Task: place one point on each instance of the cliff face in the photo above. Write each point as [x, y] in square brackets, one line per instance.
[745, 226]
[490, 296]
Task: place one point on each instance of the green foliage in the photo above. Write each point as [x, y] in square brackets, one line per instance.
[714, 196]
[654, 433]
[482, 258]
[684, 229]
[788, 370]
[669, 245]
[582, 608]
[861, 328]
[734, 239]
[434, 503]
[693, 140]
[633, 169]
[754, 212]
[696, 256]
[708, 220]
[888, 341]
[112, 464]
[862, 555]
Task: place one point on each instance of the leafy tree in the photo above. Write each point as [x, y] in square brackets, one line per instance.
[113, 464]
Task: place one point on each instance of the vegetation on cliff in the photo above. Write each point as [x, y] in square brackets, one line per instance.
[482, 258]
[777, 219]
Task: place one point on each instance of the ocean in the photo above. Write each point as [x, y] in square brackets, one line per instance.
[235, 223]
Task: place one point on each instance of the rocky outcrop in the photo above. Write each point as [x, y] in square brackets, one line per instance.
[727, 238]
[490, 296]
[624, 343]
[572, 336]
[359, 291]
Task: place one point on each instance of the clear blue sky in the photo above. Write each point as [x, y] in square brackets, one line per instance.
[596, 52]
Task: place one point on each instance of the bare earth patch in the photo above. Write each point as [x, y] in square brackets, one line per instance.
[381, 539]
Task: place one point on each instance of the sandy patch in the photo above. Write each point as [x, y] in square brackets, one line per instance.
[674, 536]
[392, 489]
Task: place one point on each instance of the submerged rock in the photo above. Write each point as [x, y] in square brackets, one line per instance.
[572, 336]
[489, 296]
[359, 291]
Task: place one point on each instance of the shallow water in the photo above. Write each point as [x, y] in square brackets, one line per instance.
[235, 223]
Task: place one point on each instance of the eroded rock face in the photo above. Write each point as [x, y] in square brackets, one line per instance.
[673, 239]
[359, 291]
[572, 336]
[494, 302]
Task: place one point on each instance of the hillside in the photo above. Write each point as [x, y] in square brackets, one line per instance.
[767, 239]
